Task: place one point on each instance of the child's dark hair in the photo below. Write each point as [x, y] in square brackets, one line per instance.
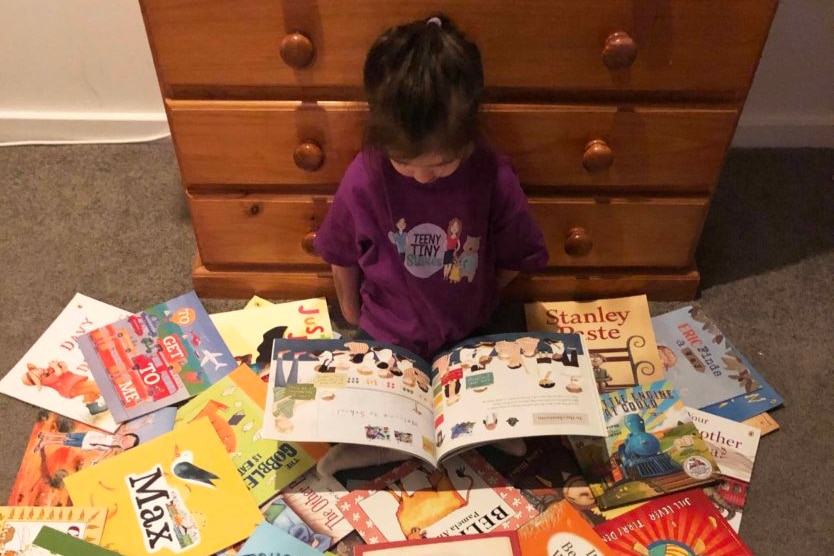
[424, 82]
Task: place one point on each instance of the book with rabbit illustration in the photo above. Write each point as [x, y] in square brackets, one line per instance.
[485, 389]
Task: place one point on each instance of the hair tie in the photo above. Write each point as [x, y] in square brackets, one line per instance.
[434, 21]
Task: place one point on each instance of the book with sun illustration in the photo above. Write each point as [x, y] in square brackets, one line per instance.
[156, 358]
[53, 373]
[52, 542]
[684, 523]
[235, 407]
[177, 494]
[482, 390]
[652, 448]
[19, 525]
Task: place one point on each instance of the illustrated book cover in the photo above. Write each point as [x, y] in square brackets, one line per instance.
[235, 407]
[707, 370]
[560, 531]
[177, 494]
[482, 390]
[59, 446]
[682, 523]
[308, 509]
[156, 358]
[270, 540]
[503, 543]
[618, 333]
[764, 422]
[51, 542]
[19, 525]
[652, 448]
[734, 446]
[53, 373]
[464, 496]
[249, 332]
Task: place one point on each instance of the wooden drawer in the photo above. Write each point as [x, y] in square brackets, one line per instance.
[620, 232]
[210, 48]
[652, 149]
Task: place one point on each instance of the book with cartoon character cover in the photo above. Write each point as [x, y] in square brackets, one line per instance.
[177, 494]
[681, 523]
[51, 542]
[482, 390]
[157, 357]
[59, 447]
[464, 496]
[618, 333]
[53, 373]
[19, 525]
[652, 448]
[235, 407]
[707, 370]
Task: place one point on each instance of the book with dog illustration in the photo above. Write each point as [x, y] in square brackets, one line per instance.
[504, 543]
[484, 389]
[53, 373]
[157, 357]
[19, 525]
[464, 496]
[177, 494]
[52, 542]
[707, 370]
[617, 331]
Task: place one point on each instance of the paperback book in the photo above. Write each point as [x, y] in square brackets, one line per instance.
[560, 531]
[156, 358]
[270, 540]
[486, 389]
[51, 542]
[19, 525]
[492, 544]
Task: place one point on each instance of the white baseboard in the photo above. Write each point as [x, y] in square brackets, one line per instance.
[46, 128]
[784, 131]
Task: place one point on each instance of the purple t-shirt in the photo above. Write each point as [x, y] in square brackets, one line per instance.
[429, 252]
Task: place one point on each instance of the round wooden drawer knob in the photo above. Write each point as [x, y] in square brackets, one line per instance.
[308, 243]
[578, 243]
[619, 51]
[598, 156]
[308, 156]
[297, 50]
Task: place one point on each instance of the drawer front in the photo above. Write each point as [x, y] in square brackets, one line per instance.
[692, 46]
[256, 143]
[582, 232]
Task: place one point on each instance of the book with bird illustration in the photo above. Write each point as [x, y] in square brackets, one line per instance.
[177, 494]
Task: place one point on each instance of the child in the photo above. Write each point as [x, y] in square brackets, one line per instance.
[426, 165]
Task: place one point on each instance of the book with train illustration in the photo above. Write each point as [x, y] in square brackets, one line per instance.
[484, 389]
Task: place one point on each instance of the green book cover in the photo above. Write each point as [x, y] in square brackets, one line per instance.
[51, 541]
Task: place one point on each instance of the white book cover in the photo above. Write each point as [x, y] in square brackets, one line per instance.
[53, 373]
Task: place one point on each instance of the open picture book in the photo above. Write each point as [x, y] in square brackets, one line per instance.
[485, 389]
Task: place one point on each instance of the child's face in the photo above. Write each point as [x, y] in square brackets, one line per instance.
[427, 167]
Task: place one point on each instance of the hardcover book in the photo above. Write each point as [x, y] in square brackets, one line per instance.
[234, 406]
[156, 358]
[464, 496]
[19, 525]
[177, 494]
[707, 370]
[53, 373]
[492, 544]
[560, 531]
[51, 542]
[652, 448]
[681, 523]
[485, 389]
[617, 331]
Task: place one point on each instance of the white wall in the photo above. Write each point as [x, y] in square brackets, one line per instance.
[81, 71]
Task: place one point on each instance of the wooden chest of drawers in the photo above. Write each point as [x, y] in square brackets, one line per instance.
[617, 114]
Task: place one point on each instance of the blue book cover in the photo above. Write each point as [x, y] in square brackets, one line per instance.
[269, 539]
[157, 357]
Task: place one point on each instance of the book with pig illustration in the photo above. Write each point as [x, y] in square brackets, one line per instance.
[484, 389]
[156, 358]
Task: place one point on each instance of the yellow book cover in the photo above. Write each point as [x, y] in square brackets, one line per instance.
[617, 331]
[177, 494]
[19, 525]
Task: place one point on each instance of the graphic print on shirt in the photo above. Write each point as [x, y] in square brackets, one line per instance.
[428, 248]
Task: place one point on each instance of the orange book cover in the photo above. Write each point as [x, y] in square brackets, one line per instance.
[560, 531]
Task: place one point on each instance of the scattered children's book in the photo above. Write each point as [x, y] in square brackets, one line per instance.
[707, 370]
[764, 422]
[234, 406]
[560, 531]
[177, 494]
[734, 446]
[270, 540]
[464, 496]
[681, 523]
[249, 332]
[617, 331]
[485, 389]
[53, 373]
[19, 525]
[652, 448]
[51, 542]
[489, 544]
[308, 509]
[156, 358]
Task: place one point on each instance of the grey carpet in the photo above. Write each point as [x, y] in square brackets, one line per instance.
[111, 221]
